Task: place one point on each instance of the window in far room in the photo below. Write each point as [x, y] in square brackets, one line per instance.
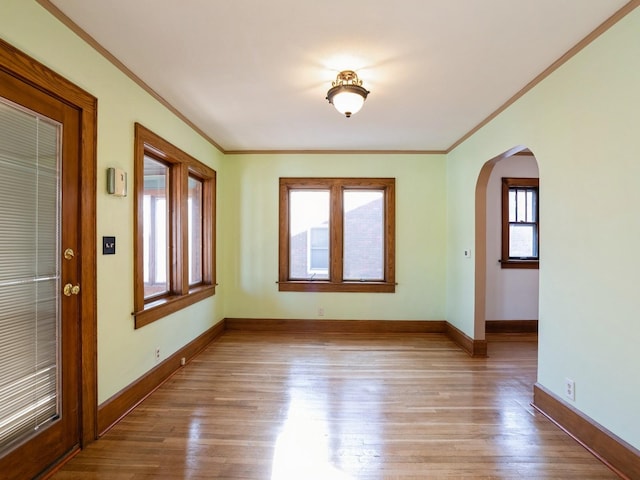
[520, 223]
[337, 234]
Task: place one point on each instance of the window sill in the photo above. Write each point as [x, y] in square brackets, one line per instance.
[525, 264]
[166, 306]
[325, 286]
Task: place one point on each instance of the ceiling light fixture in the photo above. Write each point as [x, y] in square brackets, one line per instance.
[347, 94]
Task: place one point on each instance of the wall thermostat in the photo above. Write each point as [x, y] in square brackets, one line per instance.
[117, 182]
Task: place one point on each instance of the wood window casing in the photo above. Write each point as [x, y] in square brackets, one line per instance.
[335, 282]
[507, 261]
[181, 166]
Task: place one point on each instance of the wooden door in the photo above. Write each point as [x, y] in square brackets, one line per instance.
[57, 432]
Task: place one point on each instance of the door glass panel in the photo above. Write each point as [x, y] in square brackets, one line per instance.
[29, 273]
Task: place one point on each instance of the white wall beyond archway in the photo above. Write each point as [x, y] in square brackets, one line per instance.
[511, 293]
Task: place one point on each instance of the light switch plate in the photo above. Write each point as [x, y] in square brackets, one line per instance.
[108, 245]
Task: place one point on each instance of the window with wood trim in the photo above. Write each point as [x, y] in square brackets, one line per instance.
[520, 223]
[337, 235]
[174, 245]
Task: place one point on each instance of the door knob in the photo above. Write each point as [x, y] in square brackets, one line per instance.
[71, 289]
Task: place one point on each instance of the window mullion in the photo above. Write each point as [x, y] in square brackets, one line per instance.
[179, 257]
[336, 234]
[174, 215]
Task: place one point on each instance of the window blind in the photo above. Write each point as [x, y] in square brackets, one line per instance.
[29, 272]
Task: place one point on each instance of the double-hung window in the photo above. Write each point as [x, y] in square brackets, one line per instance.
[520, 226]
[337, 234]
[174, 217]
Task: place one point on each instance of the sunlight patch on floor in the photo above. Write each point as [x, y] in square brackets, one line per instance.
[302, 448]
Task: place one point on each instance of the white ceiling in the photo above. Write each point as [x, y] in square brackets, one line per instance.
[253, 74]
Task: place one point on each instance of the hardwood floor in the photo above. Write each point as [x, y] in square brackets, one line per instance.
[341, 407]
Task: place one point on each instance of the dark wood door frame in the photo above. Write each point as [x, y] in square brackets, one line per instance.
[28, 70]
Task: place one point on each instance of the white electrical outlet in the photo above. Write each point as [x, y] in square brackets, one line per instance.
[467, 253]
[157, 354]
[321, 311]
[570, 389]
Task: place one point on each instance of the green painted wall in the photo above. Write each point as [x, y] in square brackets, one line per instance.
[582, 124]
[251, 233]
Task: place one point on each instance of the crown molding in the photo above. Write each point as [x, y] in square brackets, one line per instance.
[335, 152]
[75, 28]
[603, 27]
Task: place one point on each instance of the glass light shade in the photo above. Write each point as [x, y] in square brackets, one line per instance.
[347, 94]
[348, 103]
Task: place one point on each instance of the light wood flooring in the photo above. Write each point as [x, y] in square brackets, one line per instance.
[341, 407]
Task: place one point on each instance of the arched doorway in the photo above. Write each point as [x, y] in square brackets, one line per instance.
[507, 298]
